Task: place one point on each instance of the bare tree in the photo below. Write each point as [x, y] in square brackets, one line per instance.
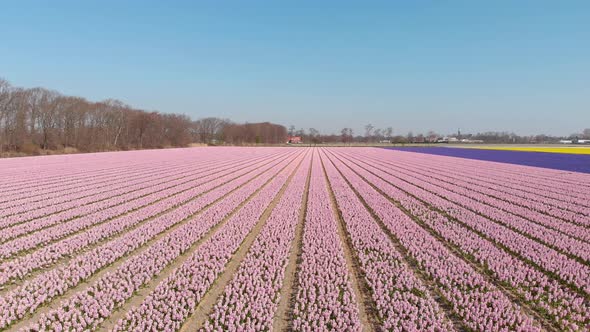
[300, 132]
[115, 119]
[15, 124]
[431, 136]
[347, 135]
[388, 132]
[34, 104]
[72, 120]
[47, 120]
[140, 125]
[314, 136]
[43, 119]
[177, 129]
[368, 131]
[209, 129]
[255, 133]
[6, 96]
[377, 133]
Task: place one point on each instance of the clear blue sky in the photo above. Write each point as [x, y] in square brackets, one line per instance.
[414, 65]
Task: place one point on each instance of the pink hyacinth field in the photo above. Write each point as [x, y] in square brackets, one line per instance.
[291, 239]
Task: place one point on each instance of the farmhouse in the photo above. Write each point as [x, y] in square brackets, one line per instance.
[294, 140]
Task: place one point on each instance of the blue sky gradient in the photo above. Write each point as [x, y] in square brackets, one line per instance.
[520, 66]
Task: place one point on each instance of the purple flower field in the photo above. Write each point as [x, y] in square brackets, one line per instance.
[560, 161]
[291, 239]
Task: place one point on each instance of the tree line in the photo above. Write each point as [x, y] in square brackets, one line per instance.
[39, 120]
[212, 130]
[36, 119]
[223, 131]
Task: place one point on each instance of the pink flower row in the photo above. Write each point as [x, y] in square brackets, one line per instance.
[33, 186]
[540, 226]
[403, 303]
[572, 184]
[566, 308]
[541, 206]
[48, 170]
[26, 298]
[250, 300]
[463, 209]
[324, 299]
[558, 205]
[480, 305]
[21, 266]
[65, 226]
[177, 296]
[17, 225]
[93, 191]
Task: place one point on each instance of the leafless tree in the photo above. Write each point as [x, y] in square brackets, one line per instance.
[177, 129]
[15, 126]
[346, 134]
[388, 132]
[208, 129]
[255, 133]
[377, 133]
[34, 104]
[300, 132]
[33, 119]
[47, 120]
[432, 136]
[6, 101]
[368, 131]
[314, 136]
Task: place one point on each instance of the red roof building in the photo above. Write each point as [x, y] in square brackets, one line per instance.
[294, 140]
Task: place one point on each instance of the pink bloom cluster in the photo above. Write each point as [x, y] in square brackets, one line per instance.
[201, 238]
[564, 186]
[466, 211]
[95, 189]
[176, 297]
[33, 186]
[21, 266]
[480, 304]
[546, 229]
[250, 300]
[558, 205]
[132, 197]
[44, 181]
[403, 302]
[324, 299]
[568, 309]
[26, 298]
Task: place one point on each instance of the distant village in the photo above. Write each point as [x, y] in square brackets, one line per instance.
[386, 136]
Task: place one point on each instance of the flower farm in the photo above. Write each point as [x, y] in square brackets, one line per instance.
[291, 239]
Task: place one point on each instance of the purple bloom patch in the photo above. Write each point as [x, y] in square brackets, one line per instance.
[560, 161]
